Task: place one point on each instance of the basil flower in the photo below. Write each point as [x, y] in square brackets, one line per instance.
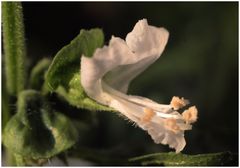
[106, 76]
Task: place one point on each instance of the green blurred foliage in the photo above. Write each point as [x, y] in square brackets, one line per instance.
[200, 63]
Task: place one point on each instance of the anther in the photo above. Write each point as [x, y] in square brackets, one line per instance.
[171, 124]
[190, 115]
[148, 114]
[178, 103]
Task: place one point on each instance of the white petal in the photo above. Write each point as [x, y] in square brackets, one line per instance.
[147, 44]
[145, 39]
[118, 64]
[104, 60]
[161, 135]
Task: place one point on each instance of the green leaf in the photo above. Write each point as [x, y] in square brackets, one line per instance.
[173, 159]
[14, 46]
[37, 132]
[67, 60]
[37, 74]
[63, 75]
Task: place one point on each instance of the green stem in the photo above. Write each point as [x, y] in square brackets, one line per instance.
[6, 115]
[10, 158]
[5, 104]
[14, 46]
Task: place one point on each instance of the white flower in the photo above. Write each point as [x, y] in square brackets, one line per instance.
[105, 78]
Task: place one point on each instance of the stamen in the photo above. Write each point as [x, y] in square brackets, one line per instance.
[148, 114]
[171, 124]
[190, 115]
[178, 103]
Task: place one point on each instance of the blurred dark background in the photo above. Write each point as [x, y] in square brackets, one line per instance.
[200, 63]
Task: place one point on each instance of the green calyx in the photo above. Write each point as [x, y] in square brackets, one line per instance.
[36, 131]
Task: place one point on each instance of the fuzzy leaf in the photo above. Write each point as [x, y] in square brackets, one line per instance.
[173, 159]
[67, 60]
[63, 75]
[37, 132]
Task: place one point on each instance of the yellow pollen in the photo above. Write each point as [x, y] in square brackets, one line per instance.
[190, 115]
[171, 124]
[178, 103]
[148, 114]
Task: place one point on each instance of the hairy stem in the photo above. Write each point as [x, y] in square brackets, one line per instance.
[5, 104]
[14, 46]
